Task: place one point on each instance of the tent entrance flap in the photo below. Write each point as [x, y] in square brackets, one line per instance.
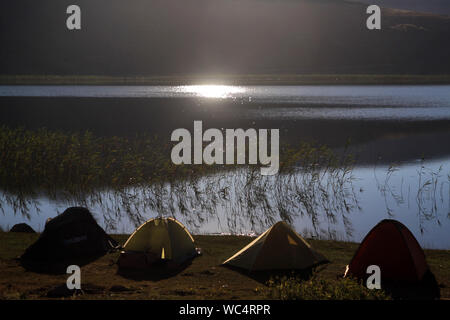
[161, 238]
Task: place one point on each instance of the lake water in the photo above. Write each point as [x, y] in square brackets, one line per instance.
[397, 122]
[431, 96]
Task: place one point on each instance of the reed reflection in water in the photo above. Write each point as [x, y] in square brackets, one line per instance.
[321, 202]
[235, 201]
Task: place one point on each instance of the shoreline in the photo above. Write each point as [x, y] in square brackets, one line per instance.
[262, 79]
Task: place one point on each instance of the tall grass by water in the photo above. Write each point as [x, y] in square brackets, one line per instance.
[133, 176]
[47, 158]
[128, 179]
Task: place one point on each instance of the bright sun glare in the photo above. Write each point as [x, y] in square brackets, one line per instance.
[213, 91]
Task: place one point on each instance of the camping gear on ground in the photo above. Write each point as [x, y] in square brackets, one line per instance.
[278, 248]
[158, 240]
[22, 227]
[73, 237]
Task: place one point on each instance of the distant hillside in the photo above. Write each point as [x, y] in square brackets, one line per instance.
[171, 37]
[429, 6]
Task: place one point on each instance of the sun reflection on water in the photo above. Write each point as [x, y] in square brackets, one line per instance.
[212, 91]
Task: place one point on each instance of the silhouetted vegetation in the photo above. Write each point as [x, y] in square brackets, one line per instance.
[132, 177]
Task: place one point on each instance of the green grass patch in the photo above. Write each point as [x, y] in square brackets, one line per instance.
[293, 288]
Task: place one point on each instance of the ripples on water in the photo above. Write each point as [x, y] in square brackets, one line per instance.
[348, 102]
[394, 95]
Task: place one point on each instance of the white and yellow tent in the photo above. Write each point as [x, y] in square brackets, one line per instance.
[278, 248]
[163, 238]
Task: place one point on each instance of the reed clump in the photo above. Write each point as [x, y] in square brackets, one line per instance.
[55, 159]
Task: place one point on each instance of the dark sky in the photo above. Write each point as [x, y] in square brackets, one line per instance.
[429, 6]
[166, 37]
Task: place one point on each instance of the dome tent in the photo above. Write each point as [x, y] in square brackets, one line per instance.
[73, 237]
[23, 228]
[278, 248]
[158, 239]
[391, 246]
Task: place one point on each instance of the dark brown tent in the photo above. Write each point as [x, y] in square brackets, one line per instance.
[391, 246]
[73, 237]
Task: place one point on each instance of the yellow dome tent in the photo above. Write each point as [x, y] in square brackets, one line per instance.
[278, 248]
[158, 239]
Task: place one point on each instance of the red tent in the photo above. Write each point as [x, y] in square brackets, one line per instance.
[391, 246]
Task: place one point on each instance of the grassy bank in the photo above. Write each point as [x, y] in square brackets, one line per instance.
[203, 279]
[226, 79]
